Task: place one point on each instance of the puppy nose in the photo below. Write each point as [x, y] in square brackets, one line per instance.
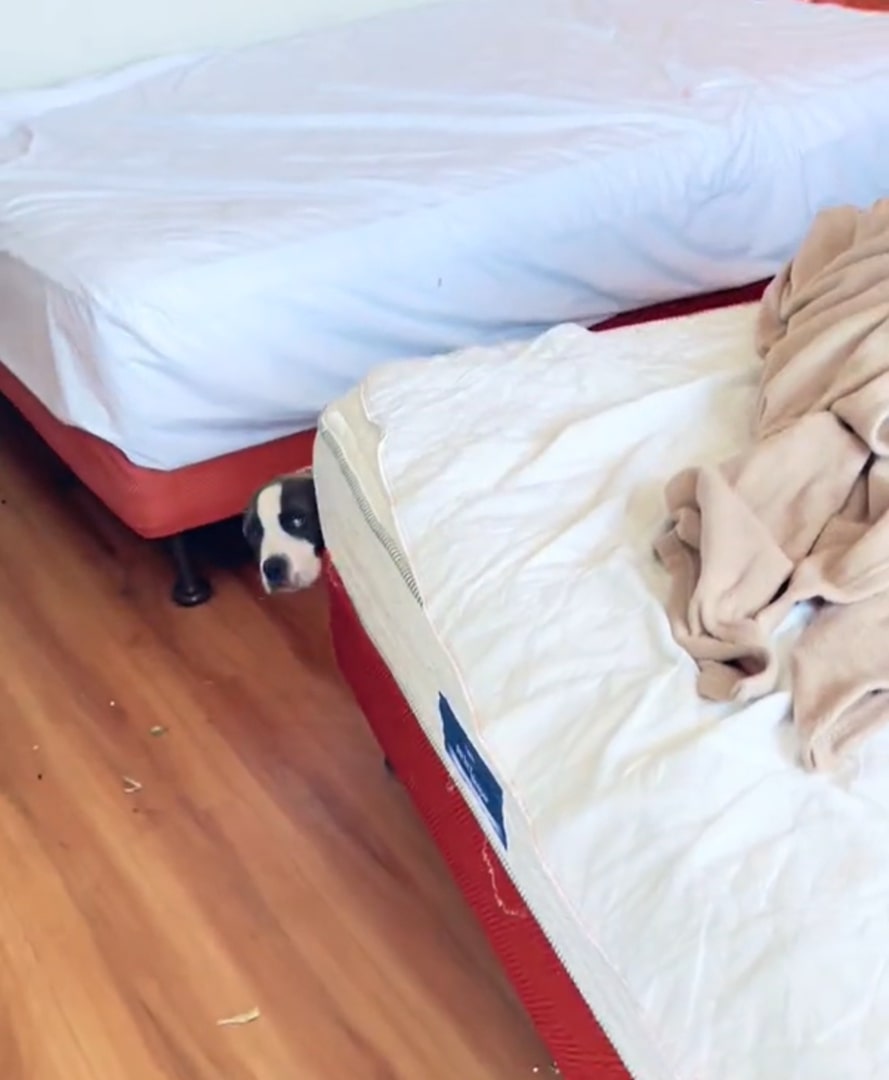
[276, 569]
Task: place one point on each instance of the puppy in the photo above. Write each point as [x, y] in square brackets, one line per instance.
[283, 529]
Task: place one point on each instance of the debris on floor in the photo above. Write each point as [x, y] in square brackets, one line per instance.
[240, 1018]
[157, 731]
[130, 785]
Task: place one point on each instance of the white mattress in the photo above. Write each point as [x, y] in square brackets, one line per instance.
[196, 255]
[722, 911]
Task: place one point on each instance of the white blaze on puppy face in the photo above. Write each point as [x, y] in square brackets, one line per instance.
[304, 564]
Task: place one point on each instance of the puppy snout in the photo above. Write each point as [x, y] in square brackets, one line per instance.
[276, 571]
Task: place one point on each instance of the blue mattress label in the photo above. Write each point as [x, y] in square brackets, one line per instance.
[472, 768]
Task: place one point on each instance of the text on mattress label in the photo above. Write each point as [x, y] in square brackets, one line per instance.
[471, 766]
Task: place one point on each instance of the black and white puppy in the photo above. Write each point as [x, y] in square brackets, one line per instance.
[283, 529]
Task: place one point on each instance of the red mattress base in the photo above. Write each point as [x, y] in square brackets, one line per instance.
[577, 1044]
[151, 502]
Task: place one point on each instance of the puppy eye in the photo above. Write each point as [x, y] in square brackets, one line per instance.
[295, 521]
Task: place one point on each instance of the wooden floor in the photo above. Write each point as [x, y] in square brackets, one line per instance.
[266, 860]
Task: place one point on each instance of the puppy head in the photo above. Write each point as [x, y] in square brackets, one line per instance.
[283, 529]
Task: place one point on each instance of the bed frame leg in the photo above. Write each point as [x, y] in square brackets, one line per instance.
[189, 588]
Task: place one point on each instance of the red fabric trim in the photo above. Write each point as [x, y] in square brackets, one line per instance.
[565, 1023]
[859, 5]
[673, 309]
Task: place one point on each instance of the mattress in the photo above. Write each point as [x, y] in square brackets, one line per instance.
[197, 254]
[491, 514]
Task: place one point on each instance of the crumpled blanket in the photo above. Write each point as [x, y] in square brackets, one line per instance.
[803, 514]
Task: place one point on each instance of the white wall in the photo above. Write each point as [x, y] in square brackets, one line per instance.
[46, 41]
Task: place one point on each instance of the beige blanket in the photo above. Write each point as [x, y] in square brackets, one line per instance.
[804, 513]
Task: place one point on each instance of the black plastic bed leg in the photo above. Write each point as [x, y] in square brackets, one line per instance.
[189, 588]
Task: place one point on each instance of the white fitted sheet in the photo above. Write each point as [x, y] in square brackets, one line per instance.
[196, 255]
[491, 514]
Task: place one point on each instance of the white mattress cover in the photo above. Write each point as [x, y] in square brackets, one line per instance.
[200, 253]
[722, 911]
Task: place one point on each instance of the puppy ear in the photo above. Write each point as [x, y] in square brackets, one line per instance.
[248, 520]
